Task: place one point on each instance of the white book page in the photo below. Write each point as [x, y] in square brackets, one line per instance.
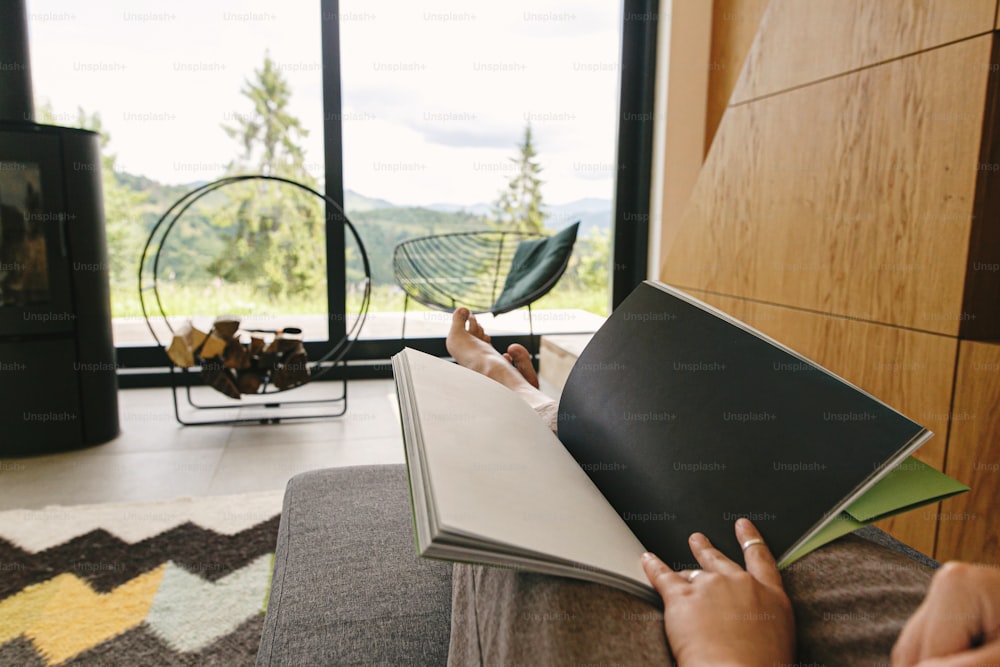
[498, 473]
[423, 523]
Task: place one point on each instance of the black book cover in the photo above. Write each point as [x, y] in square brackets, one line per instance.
[686, 420]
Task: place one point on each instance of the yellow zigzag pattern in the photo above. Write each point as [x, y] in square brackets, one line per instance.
[64, 616]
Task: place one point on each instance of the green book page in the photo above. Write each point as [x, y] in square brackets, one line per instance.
[911, 484]
[840, 526]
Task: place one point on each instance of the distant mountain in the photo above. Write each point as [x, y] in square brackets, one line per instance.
[157, 192]
[588, 205]
[474, 209]
[354, 201]
[590, 211]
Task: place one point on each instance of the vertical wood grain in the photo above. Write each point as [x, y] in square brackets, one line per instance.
[802, 42]
[684, 123]
[852, 197]
[982, 279]
[970, 523]
[908, 370]
[734, 26]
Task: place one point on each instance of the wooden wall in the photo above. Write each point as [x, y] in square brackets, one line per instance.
[968, 523]
[804, 42]
[844, 208]
[734, 26]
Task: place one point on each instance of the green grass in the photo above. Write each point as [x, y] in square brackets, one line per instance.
[210, 300]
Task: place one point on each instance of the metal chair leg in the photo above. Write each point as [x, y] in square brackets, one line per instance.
[406, 304]
[535, 345]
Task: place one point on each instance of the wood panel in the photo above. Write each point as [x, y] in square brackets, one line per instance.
[909, 370]
[734, 26]
[851, 197]
[982, 279]
[970, 523]
[685, 104]
[802, 42]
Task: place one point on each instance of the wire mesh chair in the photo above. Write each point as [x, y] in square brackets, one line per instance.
[485, 271]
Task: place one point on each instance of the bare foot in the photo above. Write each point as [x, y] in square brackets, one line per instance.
[518, 355]
[474, 327]
[469, 345]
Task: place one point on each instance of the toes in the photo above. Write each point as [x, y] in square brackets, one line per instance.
[518, 354]
[521, 358]
[457, 332]
[459, 318]
[476, 329]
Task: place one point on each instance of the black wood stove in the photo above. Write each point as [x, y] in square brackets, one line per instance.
[58, 387]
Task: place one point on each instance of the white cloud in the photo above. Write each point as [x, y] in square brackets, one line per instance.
[434, 92]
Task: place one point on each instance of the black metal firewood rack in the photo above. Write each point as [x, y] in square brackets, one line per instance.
[269, 404]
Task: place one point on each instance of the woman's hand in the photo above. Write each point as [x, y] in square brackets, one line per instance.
[958, 623]
[722, 614]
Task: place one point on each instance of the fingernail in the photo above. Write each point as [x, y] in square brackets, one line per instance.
[648, 556]
[697, 538]
[742, 523]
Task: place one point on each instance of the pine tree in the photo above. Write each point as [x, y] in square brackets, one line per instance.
[268, 134]
[519, 207]
[275, 230]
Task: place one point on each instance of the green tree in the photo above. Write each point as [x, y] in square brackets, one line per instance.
[593, 261]
[268, 133]
[275, 231]
[519, 207]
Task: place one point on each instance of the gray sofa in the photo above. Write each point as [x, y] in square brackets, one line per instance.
[348, 587]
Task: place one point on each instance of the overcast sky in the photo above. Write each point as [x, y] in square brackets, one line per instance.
[436, 93]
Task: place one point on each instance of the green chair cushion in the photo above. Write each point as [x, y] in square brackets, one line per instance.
[537, 264]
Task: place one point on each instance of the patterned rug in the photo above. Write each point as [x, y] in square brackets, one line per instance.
[181, 582]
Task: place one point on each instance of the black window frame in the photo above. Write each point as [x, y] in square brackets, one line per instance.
[145, 366]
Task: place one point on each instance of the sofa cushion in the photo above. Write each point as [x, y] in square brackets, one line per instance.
[348, 586]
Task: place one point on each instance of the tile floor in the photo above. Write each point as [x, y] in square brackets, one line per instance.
[156, 458]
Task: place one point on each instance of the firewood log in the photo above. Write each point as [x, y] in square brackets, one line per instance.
[249, 381]
[225, 327]
[293, 370]
[185, 343]
[267, 360]
[192, 336]
[256, 345]
[235, 355]
[180, 354]
[220, 378]
[213, 347]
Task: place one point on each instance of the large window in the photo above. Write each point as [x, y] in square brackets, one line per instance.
[184, 93]
[448, 104]
[422, 114]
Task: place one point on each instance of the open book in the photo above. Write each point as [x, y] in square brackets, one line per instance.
[676, 418]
